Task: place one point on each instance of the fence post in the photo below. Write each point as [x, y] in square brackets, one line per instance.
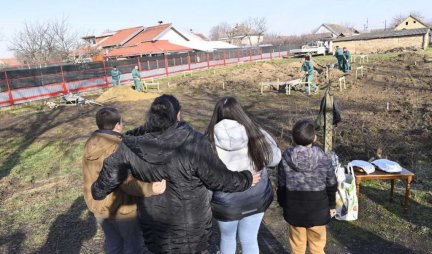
[65, 90]
[188, 57]
[271, 53]
[250, 55]
[105, 76]
[279, 52]
[224, 55]
[208, 61]
[166, 65]
[11, 100]
[238, 55]
[328, 125]
[261, 51]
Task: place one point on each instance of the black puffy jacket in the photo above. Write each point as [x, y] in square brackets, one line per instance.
[178, 221]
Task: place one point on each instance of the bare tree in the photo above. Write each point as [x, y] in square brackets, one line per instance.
[260, 27]
[272, 38]
[41, 43]
[253, 27]
[222, 30]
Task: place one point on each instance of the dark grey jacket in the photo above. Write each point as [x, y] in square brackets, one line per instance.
[179, 220]
[306, 186]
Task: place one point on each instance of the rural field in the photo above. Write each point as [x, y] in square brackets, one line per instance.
[386, 113]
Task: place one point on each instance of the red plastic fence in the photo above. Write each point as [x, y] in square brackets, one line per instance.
[163, 67]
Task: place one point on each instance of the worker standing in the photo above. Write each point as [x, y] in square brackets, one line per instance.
[115, 75]
[346, 60]
[339, 57]
[308, 68]
[136, 78]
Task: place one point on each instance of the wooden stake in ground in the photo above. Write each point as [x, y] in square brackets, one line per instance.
[328, 125]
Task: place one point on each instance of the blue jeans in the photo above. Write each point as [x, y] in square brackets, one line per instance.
[247, 229]
[122, 236]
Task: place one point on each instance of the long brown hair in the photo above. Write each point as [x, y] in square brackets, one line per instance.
[259, 149]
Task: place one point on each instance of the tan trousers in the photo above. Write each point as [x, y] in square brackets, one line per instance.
[314, 236]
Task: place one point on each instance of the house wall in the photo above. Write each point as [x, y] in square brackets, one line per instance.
[409, 23]
[173, 37]
[254, 40]
[380, 45]
[323, 30]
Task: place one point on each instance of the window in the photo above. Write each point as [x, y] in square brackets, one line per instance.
[415, 21]
[406, 23]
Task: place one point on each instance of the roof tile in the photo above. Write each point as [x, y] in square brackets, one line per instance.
[384, 34]
[148, 34]
[144, 48]
[120, 37]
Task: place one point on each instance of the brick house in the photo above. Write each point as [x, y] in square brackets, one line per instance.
[410, 33]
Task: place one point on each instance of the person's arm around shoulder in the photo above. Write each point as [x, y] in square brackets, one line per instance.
[216, 176]
[139, 188]
[114, 172]
[276, 152]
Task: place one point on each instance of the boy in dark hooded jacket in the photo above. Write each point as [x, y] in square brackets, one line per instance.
[306, 190]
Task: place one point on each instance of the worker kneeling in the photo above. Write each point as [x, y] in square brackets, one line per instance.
[308, 68]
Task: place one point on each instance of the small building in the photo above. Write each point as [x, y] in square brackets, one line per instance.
[242, 36]
[244, 40]
[336, 30]
[410, 22]
[410, 33]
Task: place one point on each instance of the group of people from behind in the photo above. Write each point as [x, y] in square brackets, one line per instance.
[343, 57]
[183, 179]
[136, 76]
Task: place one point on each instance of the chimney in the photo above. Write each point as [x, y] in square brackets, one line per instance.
[160, 22]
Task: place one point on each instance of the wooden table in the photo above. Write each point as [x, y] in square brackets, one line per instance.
[381, 175]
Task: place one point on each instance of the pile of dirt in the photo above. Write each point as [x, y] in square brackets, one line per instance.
[408, 58]
[246, 78]
[401, 49]
[268, 66]
[295, 64]
[124, 93]
[334, 75]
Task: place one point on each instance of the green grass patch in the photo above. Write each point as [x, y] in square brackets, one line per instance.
[39, 160]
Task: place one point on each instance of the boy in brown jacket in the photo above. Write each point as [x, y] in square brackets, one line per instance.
[117, 213]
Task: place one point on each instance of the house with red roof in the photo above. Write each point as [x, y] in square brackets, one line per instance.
[159, 39]
[9, 62]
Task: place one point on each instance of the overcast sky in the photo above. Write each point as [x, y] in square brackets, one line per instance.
[285, 17]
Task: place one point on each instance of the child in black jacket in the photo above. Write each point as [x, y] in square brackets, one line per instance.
[306, 190]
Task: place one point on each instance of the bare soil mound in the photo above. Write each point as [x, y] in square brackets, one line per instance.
[124, 93]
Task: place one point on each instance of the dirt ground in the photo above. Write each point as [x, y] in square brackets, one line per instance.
[386, 113]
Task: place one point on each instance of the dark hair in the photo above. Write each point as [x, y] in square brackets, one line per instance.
[307, 57]
[107, 118]
[162, 114]
[260, 151]
[303, 132]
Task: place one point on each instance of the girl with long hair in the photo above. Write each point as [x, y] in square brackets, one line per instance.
[242, 145]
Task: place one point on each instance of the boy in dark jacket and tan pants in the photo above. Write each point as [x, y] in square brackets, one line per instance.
[117, 214]
[306, 190]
